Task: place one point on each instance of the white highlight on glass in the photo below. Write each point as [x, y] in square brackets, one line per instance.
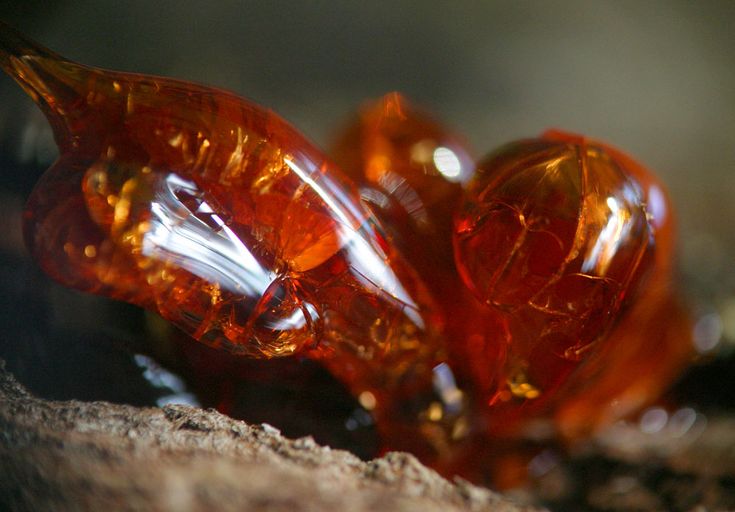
[161, 378]
[447, 162]
[178, 236]
[367, 262]
[598, 259]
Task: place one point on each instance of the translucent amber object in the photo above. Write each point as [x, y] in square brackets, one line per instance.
[412, 170]
[651, 342]
[564, 237]
[218, 215]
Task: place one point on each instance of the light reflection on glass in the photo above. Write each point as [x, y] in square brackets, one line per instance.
[606, 245]
[295, 321]
[218, 256]
[446, 386]
[656, 206]
[400, 190]
[423, 151]
[367, 262]
[162, 379]
[447, 162]
[327, 195]
[374, 196]
[371, 270]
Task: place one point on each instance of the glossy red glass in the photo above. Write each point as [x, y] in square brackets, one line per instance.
[218, 215]
[571, 242]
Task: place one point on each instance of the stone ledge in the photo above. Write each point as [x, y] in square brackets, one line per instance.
[77, 456]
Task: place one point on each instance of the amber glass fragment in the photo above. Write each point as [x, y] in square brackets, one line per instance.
[218, 215]
[413, 169]
[558, 236]
[651, 343]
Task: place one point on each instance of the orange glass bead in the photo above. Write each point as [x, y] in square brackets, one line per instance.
[651, 343]
[413, 170]
[558, 236]
[218, 215]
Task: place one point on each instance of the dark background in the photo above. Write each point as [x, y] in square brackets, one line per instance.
[654, 78]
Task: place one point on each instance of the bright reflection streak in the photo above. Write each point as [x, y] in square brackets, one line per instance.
[296, 320]
[215, 255]
[162, 379]
[375, 197]
[326, 197]
[369, 268]
[397, 187]
[598, 259]
[367, 262]
[446, 386]
[657, 206]
[447, 162]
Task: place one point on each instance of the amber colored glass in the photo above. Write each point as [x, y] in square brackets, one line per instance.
[651, 343]
[571, 241]
[221, 217]
[412, 170]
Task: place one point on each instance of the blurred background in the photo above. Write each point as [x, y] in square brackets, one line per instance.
[654, 78]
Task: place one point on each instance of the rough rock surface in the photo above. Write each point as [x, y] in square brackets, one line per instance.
[78, 455]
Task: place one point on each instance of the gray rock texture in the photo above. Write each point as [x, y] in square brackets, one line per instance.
[100, 456]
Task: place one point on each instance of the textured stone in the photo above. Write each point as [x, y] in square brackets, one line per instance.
[76, 455]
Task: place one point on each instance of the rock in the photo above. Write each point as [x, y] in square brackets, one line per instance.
[96, 455]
